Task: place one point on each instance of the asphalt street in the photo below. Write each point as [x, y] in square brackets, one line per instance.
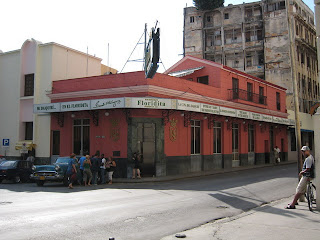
[136, 211]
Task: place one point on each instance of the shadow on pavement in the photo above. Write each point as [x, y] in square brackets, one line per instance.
[216, 182]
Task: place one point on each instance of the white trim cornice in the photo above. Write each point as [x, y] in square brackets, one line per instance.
[163, 91]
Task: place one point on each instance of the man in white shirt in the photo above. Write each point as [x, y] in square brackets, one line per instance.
[103, 169]
[306, 174]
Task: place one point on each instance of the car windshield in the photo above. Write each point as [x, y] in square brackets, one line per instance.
[63, 160]
[8, 163]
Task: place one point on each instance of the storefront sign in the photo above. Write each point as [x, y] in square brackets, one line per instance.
[153, 103]
[107, 103]
[188, 106]
[75, 106]
[243, 114]
[256, 116]
[228, 112]
[156, 103]
[207, 108]
[281, 120]
[46, 108]
[266, 118]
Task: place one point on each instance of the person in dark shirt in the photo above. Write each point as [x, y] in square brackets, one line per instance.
[95, 161]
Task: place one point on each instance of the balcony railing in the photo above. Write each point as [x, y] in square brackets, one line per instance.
[236, 93]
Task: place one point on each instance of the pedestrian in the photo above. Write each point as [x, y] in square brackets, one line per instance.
[72, 171]
[111, 167]
[81, 160]
[136, 168]
[87, 174]
[276, 155]
[31, 158]
[306, 174]
[95, 168]
[103, 169]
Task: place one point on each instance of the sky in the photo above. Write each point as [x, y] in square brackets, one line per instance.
[94, 24]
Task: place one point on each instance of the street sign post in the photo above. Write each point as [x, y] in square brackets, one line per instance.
[5, 145]
[6, 142]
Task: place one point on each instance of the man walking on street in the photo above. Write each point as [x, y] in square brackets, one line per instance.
[306, 174]
[95, 161]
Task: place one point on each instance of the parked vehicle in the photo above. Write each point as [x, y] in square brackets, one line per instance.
[15, 170]
[51, 173]
[2, 159]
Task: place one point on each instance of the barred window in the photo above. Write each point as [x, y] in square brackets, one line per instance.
[29, 85]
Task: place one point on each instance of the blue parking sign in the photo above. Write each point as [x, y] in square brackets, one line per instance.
[5, 142]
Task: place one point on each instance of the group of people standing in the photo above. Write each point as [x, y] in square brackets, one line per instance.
[91, 168]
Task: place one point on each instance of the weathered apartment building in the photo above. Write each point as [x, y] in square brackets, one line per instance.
[254, 38]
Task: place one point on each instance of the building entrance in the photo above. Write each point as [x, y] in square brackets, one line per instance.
[146, 137]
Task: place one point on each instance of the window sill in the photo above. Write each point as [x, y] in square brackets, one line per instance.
[27, 97]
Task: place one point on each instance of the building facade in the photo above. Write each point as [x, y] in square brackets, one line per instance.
[26, 77]
[254, 38]
[195, 117]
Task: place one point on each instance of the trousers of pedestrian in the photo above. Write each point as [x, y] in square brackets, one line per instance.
[103, 175]
[87, 175]
[110, 173]
[94, 177]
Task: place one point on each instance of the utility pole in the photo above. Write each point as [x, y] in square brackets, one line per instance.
[294, 86]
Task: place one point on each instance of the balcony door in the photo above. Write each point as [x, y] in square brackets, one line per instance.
[235, 88]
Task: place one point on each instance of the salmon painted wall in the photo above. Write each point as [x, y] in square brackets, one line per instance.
[105, 128]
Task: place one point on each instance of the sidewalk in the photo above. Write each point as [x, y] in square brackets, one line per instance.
[270, 221]
[196, 174]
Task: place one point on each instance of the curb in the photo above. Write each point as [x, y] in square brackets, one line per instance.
[197, 174]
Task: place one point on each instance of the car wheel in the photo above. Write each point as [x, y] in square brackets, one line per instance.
[65, 181]
[17, 179]
[40, 183]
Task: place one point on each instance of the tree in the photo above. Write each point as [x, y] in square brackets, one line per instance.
[208, 4]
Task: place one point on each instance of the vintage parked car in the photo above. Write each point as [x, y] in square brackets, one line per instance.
[51, 173]
[15, 170]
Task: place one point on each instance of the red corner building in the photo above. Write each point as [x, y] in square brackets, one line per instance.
[197, 116]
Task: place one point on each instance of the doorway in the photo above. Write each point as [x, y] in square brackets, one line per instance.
[271, 150]
[235, 145]
[146, 145]
[146, 136]
[55, 142]
[81, 136]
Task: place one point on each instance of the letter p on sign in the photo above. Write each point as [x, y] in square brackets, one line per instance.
[6, 142]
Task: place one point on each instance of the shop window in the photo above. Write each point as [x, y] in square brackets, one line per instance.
[251, 138]
[235, 141]
[217, 137]
[195, 136]
[81, 136]
[28, 131]
[278, 101]
[203, 80]
[226, 16]
[192, 19]
[28, 85]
